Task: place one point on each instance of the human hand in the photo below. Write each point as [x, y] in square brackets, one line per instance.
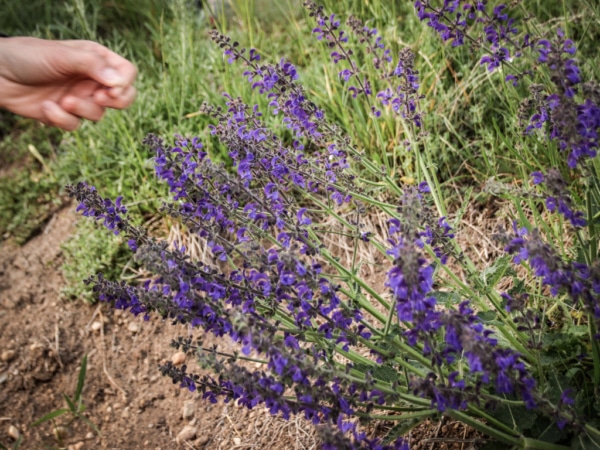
[61, 82]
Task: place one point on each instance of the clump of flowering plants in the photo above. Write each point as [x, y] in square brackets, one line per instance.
[427, 341]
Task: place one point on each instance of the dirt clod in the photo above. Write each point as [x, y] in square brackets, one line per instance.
[8, 355]
[189, 408]
[187, 434]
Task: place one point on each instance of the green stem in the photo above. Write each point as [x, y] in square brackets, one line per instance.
[595, 352]
[592, 430]
[492, 432]
[415, 415]
[391, 315]
[330, 259]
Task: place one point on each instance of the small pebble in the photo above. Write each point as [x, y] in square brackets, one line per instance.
[90, 435]
[14, 432]
[77, 446]
[134, 327]
[189, 408]
[178, 358]
[8, 355]
[203, 440]
[125, 413]
[96, 326]
[33, 347]
[237, 441]
[187, 434]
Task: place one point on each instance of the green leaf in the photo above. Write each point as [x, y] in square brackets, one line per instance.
[80, 380]
[578, 330]
[572, 372]
[17, 443]
[385, 373]
[90, 424]
[546, 430]
[49, 416]
[447, 298]
[486, 316]
[70, 403]
[493, 274]
[515, 416]
[518, 286]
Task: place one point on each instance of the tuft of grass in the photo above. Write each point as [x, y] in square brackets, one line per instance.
[90, 251]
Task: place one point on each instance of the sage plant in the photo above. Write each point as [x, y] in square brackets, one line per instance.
[333, 347]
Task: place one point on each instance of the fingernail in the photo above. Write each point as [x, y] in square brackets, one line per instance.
[111, 77]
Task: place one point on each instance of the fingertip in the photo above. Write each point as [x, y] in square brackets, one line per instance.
[68, 103]
[101, 97]
[84, 108]
[124, 100]
[110, 77]
[116, 92]
[56, 116]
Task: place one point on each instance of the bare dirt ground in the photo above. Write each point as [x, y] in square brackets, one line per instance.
[43, 338]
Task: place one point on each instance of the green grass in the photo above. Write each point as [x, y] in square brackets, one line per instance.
[470, 115]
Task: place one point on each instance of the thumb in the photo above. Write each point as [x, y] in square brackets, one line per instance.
[91, 64]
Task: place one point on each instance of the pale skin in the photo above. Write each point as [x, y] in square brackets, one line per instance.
[60, 83]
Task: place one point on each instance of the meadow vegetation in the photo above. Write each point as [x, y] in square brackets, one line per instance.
[389, 140]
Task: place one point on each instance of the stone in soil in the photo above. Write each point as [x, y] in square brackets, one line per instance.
[189, 408]
[178, 358]
[14, 432]
[8, 355]
[187, 434]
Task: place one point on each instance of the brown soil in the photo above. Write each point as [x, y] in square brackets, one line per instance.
[43, 338]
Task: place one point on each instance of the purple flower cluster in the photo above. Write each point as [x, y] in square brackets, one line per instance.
[461, 333]
[278, 83]
[454, 19]
[402, 79]
[573, 125]
[580, 281]
[199, 295]
[112, 214]
[303, 117]
[558, 198]
[320, 394]
[234, 212]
